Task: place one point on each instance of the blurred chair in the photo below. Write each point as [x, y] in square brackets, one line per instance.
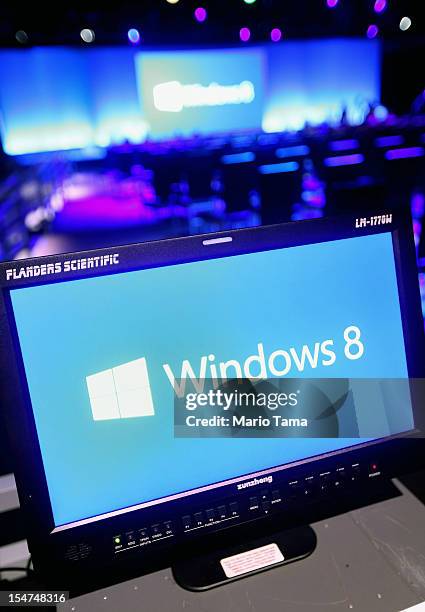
[355, 197]
[167, 170]
[239, 179]
[198, 172]
[404, 171]
[280, 189]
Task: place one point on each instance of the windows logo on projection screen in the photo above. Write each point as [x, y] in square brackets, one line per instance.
[187, 92]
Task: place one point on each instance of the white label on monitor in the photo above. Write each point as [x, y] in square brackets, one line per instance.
[251, 560]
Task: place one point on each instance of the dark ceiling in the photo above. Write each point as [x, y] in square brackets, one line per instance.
[161, 23]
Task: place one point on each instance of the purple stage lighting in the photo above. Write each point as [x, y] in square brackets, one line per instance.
[344, 160]
[276, 34]
[344, 145]
[404, 153]
[372, 31]
[332, 3]
[200, 14]
[380, 6]
[133, 36]
[389, 141]
[245, 34]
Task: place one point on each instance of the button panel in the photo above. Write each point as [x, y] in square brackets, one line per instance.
[224, 513]
[143, 537]
[260, 503]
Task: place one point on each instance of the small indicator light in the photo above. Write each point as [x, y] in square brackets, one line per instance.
[117, 540]
[374, 467]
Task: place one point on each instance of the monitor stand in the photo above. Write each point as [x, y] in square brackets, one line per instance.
[226, 564]
[202, 565]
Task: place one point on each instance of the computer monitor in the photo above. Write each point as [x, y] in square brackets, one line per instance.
[94, 344]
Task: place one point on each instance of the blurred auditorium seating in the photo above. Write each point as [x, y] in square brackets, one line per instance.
[214, 182]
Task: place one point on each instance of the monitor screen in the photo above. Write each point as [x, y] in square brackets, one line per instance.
[183, 92]
[100, 355]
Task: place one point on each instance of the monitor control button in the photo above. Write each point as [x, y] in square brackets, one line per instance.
[374, 470]
[253, 503]
[168, 528]
[339, 482]
[233, 507]
[295, 490]
[210, 514]
[355, 472]
[325, 482]
[143, 535]
[276, 497]
[156, 531]
[222, 512]
[198, 519]
[187, 521]
[324, 488]
[117, 540]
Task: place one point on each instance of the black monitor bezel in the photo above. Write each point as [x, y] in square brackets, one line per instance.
[31, 481]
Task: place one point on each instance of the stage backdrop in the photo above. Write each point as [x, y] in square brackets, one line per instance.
[64, 98]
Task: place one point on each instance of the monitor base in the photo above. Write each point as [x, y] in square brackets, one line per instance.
[227, 564]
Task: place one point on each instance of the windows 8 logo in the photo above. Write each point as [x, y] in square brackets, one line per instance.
[121, 392]
[124, 391]
[173, 96]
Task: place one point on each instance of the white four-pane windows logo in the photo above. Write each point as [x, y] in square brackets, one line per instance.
[122, 392]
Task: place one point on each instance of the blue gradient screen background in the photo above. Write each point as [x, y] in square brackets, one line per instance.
[283, 298]
[66, 98]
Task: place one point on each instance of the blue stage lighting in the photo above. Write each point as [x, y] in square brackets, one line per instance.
[291, 166]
